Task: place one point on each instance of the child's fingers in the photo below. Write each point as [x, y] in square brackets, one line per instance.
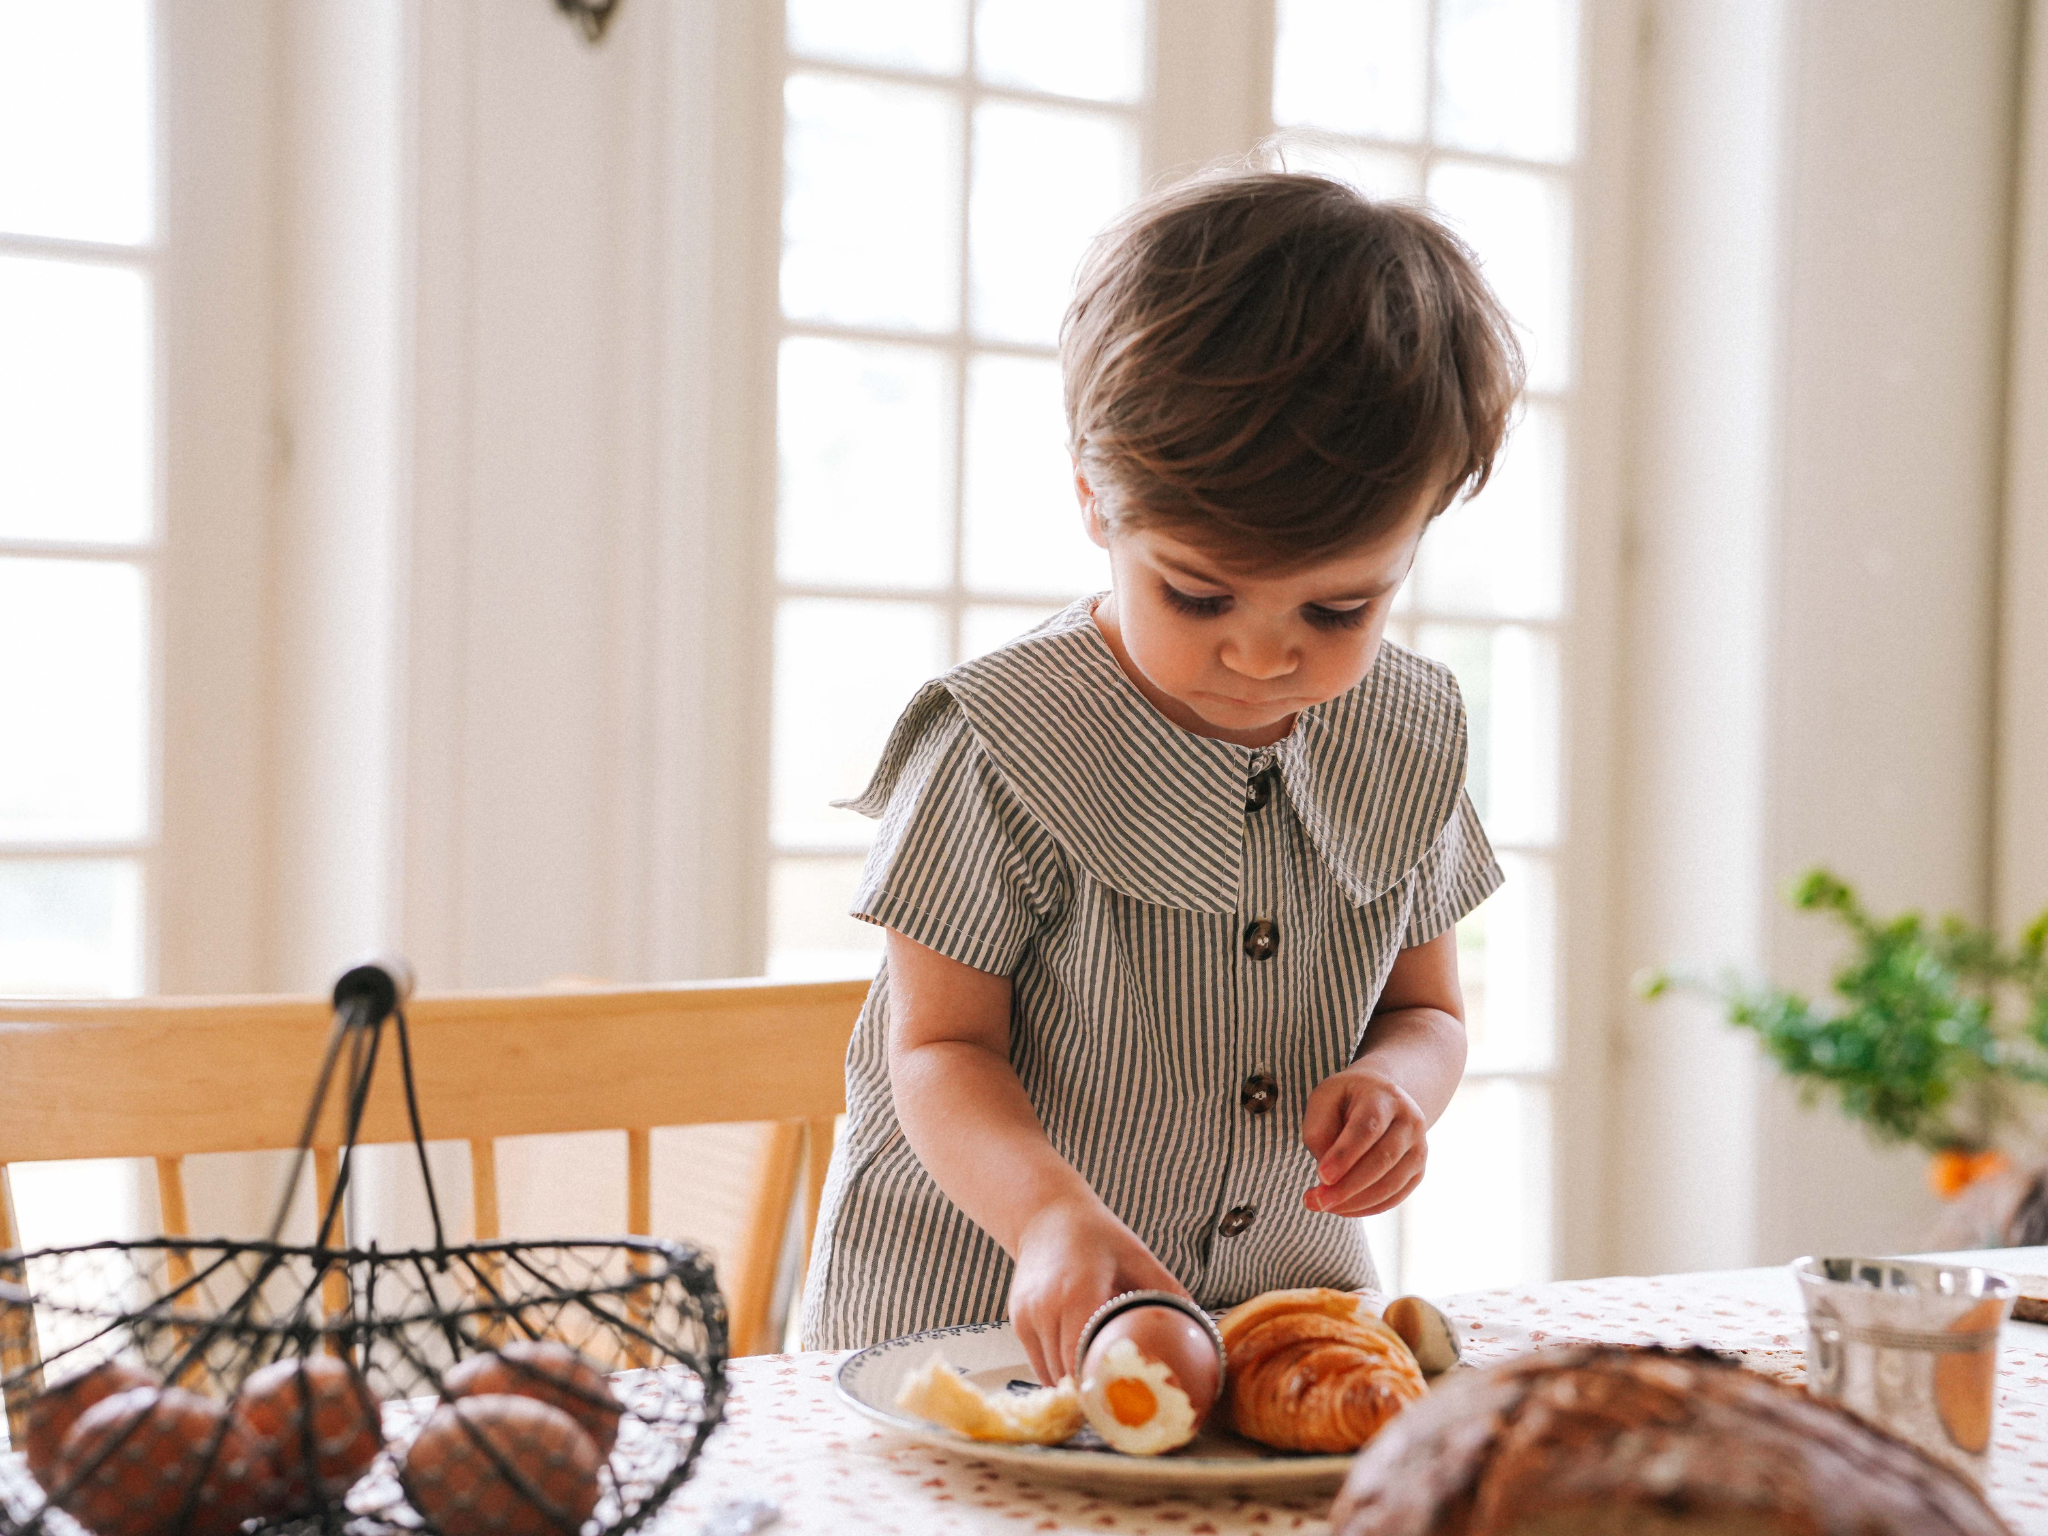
[1366, 1119]
[1034, 1350]
[1374, 1202]
[1373, 1165]
[1323, 1118]
[1383, 1193]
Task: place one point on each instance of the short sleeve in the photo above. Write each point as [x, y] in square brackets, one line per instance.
[1457, 874]
[957, 864]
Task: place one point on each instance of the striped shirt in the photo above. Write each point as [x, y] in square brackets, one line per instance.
[1196, 933]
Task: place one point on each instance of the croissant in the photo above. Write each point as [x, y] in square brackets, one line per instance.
[1314, 1370]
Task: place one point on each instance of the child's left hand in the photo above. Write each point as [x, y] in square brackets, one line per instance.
[1369, 1139]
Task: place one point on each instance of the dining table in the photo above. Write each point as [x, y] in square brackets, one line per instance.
[789, 1441]
[792, 1459]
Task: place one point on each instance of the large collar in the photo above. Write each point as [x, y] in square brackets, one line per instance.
[1157, 812]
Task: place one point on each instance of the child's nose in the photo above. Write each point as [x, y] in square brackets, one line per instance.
[1257, 658]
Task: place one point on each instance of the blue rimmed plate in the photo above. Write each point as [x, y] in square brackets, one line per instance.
[868, 1383]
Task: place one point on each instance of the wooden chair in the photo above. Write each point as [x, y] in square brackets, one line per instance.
[169, 1078]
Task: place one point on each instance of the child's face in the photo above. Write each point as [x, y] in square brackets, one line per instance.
[1236, 656]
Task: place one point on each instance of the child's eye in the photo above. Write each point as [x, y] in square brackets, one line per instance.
[1336, 618]
[1200, 607]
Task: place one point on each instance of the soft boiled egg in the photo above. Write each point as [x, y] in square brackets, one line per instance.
[1150, 1378]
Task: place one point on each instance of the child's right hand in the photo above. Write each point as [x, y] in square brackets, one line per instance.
[1072, 1256]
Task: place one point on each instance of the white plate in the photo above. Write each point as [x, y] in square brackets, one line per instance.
[992, 1358]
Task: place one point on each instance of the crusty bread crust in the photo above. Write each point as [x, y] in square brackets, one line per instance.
[1600, 1439]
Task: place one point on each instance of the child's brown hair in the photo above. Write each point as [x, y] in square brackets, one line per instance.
[1275, 367]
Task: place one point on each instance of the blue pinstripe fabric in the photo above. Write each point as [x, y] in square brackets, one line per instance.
[1040, 820]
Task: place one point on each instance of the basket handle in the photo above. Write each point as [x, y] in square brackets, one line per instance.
[366, 996]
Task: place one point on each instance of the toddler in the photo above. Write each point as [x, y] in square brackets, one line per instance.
[1170, 990]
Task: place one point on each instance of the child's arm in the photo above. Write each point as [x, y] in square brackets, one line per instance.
[1367, 1125]
[970, 1122]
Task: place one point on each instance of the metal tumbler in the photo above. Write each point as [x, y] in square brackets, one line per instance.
[1910, 1346]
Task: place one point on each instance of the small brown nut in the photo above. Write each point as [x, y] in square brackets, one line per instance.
[160, 1462]
[1426, 1331]
[51, 1416]
[548, 1373]
[344, 1432]
[502, 1465]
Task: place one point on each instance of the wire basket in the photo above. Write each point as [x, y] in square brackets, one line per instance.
[201, 1388]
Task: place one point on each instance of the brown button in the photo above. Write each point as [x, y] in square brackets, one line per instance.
[1259, 1094]
[1258, 792]
[1262, 939]
[1235, 1220]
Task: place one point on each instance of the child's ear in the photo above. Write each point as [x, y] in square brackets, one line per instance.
[1091, 513]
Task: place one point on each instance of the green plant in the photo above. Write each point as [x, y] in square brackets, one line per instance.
[1944, 1039]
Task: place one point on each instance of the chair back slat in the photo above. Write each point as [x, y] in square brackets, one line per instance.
[170, 1196]
[483, 1187]
[751, 1293]
[183, 1076]
[170, 1200]
[817, 1158]
[19, 1351]
[639, 1182]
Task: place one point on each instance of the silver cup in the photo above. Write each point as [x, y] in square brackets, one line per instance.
[1911, 1346]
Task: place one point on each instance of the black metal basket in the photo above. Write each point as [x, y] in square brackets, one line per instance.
[205, 1317]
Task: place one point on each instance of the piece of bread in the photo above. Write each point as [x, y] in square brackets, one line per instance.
[1044, 1417]
[1601, 1440]
[1314, 1370]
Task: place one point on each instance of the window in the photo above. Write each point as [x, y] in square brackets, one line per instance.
[945, 164]
[79, 530]
[1473, 105]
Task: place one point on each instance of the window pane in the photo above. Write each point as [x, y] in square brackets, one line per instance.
[1358, 66]
[984, 629]
[70, 928]
[1522, 755]
[1505, 966]
[870, 208]
[1092, 48]
[62, 1205]
[75, 113]
[1508, 675]
[865, 438]
[810, 935]
[1507, 76]
[1375, 172]
[73, 696]
[1520, 224]
[844, 669]
[1481, 1217]
[1045, 180]
[1502, 554]
[1023, 526]
[76, 441]
[926, 35]
[1467, 649]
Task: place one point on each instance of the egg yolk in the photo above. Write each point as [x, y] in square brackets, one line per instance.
[1131, 1401]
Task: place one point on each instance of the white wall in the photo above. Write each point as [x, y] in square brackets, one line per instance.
[2022, 854]
[1825, 225]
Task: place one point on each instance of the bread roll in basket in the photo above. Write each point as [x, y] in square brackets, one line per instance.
[1601, 1440]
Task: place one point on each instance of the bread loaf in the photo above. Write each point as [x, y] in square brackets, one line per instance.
[1600, 1440]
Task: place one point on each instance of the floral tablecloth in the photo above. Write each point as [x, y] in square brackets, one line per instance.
[787, 1439]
